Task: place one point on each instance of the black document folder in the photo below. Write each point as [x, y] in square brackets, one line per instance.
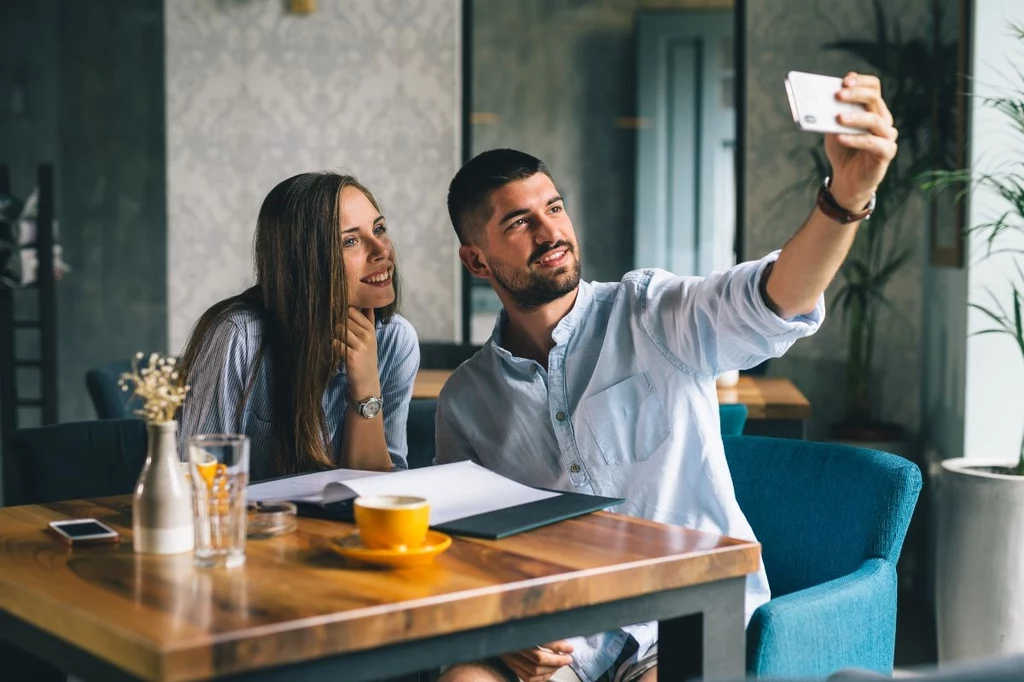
[492, 525]
[466, 499]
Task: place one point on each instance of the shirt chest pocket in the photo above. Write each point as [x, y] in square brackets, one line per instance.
[628, 420]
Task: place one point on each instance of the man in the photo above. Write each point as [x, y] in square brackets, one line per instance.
[609, 388]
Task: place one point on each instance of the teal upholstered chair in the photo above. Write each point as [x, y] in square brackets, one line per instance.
[831, 520]
[73, 460]
[439, 355]
[109, 401]
[420, 432]
[733, 418]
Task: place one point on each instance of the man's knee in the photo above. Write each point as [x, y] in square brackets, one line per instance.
[472, 672]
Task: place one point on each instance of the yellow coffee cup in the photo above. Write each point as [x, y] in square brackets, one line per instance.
[395, 522]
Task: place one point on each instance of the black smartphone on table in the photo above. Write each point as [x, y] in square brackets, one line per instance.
[75, 532]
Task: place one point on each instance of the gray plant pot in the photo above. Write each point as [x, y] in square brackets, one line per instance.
[979, 573]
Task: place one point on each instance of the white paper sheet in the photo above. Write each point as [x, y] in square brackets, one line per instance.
[304, 488]
[455, 491]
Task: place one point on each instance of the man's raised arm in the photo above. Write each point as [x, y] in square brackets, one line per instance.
[812, 257]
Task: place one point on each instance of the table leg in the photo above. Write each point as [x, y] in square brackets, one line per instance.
[710, 645]
[18, 665]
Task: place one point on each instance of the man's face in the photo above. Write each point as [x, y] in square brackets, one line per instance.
[528, 249]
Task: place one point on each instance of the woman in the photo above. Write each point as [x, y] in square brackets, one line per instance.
[312, 363]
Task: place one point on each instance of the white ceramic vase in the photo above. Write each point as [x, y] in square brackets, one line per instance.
[979, 570]
[162, 503]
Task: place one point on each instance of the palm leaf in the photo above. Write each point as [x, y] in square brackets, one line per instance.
[892, 267]
[879, 297]
[998, 304]
[1020, 272]
[1001, 321]
[860, 270]
[841, 302]
[1016, 319]
[990, 331]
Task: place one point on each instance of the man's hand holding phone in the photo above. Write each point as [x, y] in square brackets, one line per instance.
[814, 106]
[860, 139]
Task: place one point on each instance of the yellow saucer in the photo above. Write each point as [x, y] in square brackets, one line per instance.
[351, 547]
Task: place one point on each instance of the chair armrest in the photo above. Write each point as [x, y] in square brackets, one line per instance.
[849, 622]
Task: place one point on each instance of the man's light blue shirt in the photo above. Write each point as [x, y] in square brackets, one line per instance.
[626, 408]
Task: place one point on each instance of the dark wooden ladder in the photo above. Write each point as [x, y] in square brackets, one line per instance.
[45, 321]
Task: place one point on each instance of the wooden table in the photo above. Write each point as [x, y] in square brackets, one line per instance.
[297, 611]
[776, 406]
[429, 383]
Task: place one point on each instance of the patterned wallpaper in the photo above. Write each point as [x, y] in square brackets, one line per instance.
[785, 35]
[255, 94]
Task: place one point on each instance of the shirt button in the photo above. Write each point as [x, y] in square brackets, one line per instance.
[560, 416]
[533, 368]
[574, 468]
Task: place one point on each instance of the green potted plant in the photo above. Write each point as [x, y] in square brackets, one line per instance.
[918, 77]
[980, 544]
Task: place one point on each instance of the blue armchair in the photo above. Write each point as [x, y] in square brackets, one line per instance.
[109, 401]
[733, 418]
[73, 460]
[831, 520]
[420, 432]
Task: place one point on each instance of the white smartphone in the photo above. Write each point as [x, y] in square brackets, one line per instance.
[813, 103]
[84, 532]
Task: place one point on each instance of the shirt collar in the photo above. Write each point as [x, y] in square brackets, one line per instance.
[563, 330]
[567, 325]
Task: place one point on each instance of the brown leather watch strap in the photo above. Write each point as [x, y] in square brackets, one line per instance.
[828, 205]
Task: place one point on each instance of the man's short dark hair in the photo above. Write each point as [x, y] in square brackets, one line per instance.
[469, 195]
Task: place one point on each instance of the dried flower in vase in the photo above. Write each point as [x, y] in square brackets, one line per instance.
[158, 387]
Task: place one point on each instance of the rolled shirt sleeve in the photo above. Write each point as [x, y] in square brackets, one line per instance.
[720, 322]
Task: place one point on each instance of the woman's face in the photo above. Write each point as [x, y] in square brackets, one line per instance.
[367, 250]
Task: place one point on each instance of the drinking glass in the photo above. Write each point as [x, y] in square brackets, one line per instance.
[219, 466]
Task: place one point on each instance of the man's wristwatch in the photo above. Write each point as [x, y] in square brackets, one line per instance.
[831, 208]
[370, 407]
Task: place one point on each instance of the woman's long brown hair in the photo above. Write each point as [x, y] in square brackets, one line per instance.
[300, 296]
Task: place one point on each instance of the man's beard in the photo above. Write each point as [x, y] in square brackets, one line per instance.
[530, 290]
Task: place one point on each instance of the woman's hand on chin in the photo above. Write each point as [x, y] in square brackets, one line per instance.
[358, 350]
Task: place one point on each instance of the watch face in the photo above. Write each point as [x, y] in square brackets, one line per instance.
[370, 408]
